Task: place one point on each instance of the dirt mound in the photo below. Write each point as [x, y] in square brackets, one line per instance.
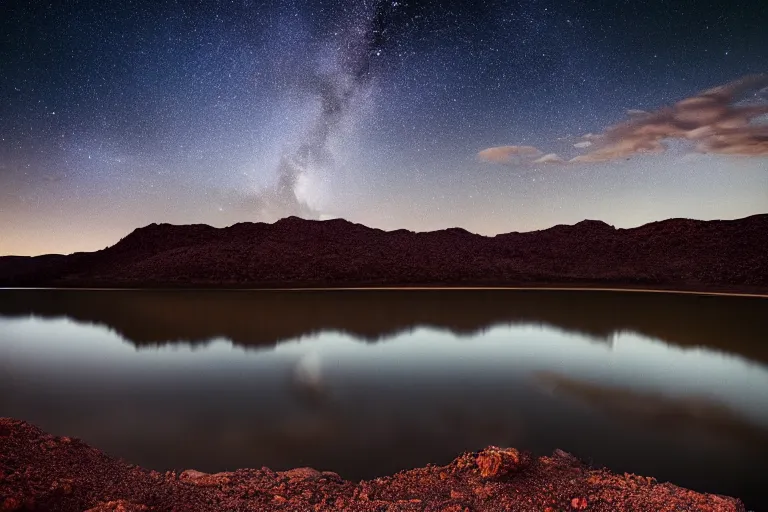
[43, 472]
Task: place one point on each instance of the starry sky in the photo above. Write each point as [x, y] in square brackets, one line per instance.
[491, 115]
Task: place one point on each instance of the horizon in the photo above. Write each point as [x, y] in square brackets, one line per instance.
[614, 227]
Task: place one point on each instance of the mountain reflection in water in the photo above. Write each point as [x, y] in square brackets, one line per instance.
[256, 319]
[670, 386]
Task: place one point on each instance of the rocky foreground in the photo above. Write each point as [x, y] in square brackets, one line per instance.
[43, 472]
[675, 253]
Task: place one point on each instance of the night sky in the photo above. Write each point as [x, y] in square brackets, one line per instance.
[492, 115]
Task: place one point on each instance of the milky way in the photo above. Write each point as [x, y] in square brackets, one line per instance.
[114, 115]
[338, 82]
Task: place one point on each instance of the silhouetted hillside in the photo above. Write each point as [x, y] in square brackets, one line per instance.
[300, 253]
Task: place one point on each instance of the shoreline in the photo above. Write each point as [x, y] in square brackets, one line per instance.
[39, 471]
[720, 292]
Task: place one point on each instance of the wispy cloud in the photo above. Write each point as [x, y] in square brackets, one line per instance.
[549, 158]
[717, 120]
[508, 154]
[711, 119]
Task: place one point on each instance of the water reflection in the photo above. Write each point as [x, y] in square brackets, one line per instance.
[255, 319]
[670, 386]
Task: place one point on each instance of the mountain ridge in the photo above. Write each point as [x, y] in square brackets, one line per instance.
[294, 252]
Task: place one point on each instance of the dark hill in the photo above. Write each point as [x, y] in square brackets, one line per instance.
[292, 252]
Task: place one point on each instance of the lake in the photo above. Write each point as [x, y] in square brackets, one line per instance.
[367, 383]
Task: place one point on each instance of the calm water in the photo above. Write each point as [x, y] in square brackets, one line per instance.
[368, 383]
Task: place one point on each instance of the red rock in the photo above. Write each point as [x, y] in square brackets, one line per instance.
[11, 504]
[495, 462]
[482, 491]
[301, 474]
[579, 503]
[63, 486]
[331, 475]
[204, 479]
[192, 474]
[48, 445]
[118, 506]
[105, 484]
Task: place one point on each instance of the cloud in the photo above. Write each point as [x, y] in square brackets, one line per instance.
[549, 158]
[508, 154]
[748, 141]
[716, 120]
[712, 119]
[620, 149]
